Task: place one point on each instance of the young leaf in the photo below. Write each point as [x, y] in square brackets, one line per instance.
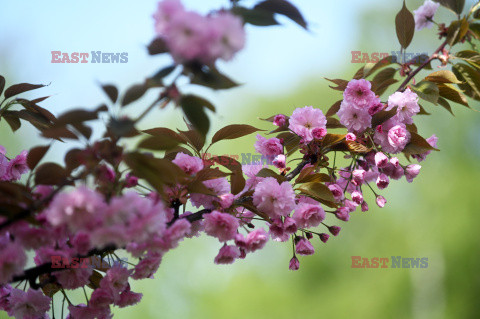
[405, 26]
[165, 132]
[443, 76]
[341, 84]
[417, 145]
[158, 143]
[452, 94]
[233, 131]
[427, 91]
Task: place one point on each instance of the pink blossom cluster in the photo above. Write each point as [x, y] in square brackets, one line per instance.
[12, 170]
[193, 37]
[424, 14]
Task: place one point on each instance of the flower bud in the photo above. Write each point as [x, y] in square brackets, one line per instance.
[294, 263]
[381, 201]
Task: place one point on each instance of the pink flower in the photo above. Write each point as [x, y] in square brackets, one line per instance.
[77, 209]
[3, 166]
[354, 119]
[268, 147]
[350, 137]
[226, 35]
[382, 181]
[221, 225]
[375, 107]
[358, 93]
[381, 201]
[101, 298]
[17, 167]
[319, 133]
[128, 298]
[304, 120]
[131, 180]
[147, 266]
[381, 160]
[343, 213]
[189, 164]
[334, 230]
[279, 120]
[308, 215]
[273, 198]
[406, 103]
[280, 161]
[12, 260]
[358, 176]
[277, 230]
[337, 191]
[116, 279]
[398, 137]
[364, 206]
[294, 263]
[219, 186]
[256, 240]
[304, 247]
[73, 278]
[84, 312]
[324, 237]
[424, 14]
[32, 304]
[411, 171]
[395, 161]
[357, 197]
[227, 254]
[167, 9]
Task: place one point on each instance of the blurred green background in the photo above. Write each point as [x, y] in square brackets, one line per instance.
[435, 217]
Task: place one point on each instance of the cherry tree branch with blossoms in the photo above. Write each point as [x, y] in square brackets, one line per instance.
[105, 198]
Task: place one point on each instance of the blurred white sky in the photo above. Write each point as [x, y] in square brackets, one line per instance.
[275, 58]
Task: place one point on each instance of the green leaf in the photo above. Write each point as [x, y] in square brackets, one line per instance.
[285, 8]
[194, 109]
[452, 94]
[319, 192]
[405, 26]
[472, 78]
[444, 103]
[382, 116]
[266, 172]
[443, 76]
[370, 68]
[456, 31]
[427, 91]
[233, 131]
[260, 18]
